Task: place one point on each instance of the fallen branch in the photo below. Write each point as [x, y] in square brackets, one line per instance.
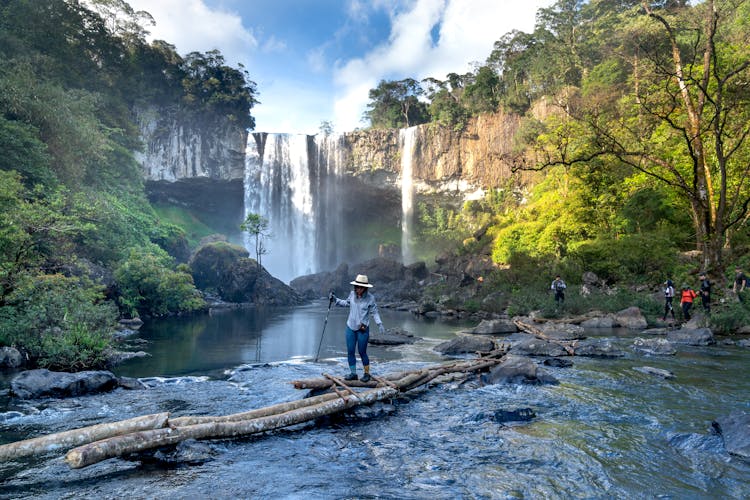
[538, 333]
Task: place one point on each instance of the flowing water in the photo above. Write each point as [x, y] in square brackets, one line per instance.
[606, 431]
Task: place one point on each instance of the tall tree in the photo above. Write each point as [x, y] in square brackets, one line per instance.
[396, 104]
[683, 117]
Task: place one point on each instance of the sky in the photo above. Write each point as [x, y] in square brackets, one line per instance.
[316, 60]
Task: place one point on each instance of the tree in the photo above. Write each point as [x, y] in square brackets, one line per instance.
[257, 226]
[681, 116]
[396, 104]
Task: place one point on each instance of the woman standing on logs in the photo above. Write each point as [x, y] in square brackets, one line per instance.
[362, 307]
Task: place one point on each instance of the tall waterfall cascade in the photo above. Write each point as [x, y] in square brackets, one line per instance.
[290, 180]
[407, 139]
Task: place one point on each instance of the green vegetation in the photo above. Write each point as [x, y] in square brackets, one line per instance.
[72, 78]
[634, 127]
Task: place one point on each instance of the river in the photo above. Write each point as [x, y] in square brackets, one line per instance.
[606, 431]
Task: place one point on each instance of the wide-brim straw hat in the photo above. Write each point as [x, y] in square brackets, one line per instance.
[361, 280]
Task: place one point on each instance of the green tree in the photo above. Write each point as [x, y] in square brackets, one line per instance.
[683, 120]
[257, 227]
[396, 104]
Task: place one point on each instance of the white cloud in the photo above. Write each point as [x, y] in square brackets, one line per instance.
[191, 26]
[468, 31]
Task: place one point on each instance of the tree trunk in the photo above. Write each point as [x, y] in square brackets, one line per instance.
[77, 437]
[140, 441]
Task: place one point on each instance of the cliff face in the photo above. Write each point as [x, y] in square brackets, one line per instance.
[442, 159]
[178, 149]
[478, 157]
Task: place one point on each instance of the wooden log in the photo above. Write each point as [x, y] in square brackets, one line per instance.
[248, 415]
[92, 453]
[77, 437]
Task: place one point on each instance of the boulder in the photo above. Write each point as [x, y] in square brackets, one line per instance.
[631, 318]
[599, 322]
[245, 281]
[465, 344]
[212, 261]
[518, 370]
[392, 336]
[692, 336]
[654, 347]
[598, 349]
[495, 326]
[33, 384]
[532, 346]
[10, 357]
[735, 431]
[562, 331]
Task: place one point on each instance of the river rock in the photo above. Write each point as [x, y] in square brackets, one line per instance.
[10, 357]
[735, 431]
[465, 344]
[598, 348]
[562, 331]
[517, 415]
[495, 326]
[558, 362]
[532, 346]
[33, 384]
[518, 370]
[392, 336]
[692, 336]
[650, 370]
[599, 322]
[631, 318]
[654, 347]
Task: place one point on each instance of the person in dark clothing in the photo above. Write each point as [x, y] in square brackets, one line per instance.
[705, 293]
[740, 283]
[668, 298]
[558, 287]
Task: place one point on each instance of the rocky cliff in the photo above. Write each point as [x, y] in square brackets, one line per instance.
[478, 157]
[178, 147]
[443, 160]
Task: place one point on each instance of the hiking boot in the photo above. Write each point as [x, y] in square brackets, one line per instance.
[366, 378]
[351, 376]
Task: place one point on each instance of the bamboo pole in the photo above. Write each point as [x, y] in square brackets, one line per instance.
[77, 437]
[92, 453]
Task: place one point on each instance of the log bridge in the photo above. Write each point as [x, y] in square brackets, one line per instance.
[89, 445]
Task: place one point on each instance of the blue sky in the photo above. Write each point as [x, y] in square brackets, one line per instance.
[316, 60]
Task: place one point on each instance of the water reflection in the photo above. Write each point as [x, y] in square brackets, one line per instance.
[227, 338]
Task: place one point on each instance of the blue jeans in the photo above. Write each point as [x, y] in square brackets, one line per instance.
[357, 340]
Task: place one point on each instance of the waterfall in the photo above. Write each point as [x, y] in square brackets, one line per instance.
[278, 187]
[407, 138]
[294, 181]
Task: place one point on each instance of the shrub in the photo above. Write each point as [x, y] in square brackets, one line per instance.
[149, 285]
[58, 321]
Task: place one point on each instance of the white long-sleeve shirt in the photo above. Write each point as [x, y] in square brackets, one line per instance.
[360, 310]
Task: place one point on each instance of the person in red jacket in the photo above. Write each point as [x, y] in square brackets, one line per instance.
[686, 301]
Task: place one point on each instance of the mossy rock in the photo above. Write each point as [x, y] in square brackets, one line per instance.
[211, 262]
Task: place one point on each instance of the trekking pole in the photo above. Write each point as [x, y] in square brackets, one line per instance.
[330, 302]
